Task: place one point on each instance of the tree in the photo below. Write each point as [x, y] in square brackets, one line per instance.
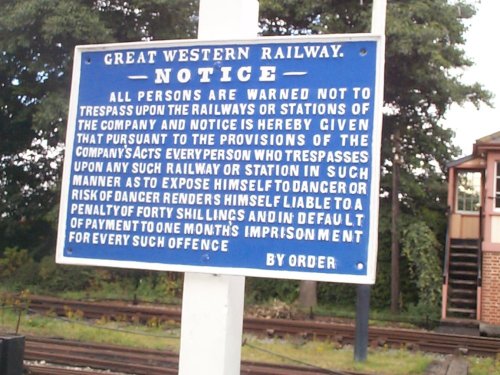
[423, 64]
[422, 79]
[36, 48]
[423, 51]
[308, 294]
[36, 44]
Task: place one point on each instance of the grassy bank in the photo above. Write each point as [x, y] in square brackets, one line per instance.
[291, 351]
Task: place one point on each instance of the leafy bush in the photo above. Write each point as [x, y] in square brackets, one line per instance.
[57, 278]
[18, 269]
[160, 286]
[260, 290]
[424, 315]
[421, 248]
[336, 294]
[12, 260]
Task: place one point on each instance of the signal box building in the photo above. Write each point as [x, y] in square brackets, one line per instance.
[471, 282]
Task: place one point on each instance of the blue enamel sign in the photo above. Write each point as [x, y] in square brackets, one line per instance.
[255, 158]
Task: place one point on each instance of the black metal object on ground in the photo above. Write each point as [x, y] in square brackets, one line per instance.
[11, 354]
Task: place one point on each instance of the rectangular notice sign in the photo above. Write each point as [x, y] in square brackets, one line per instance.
[256, 158]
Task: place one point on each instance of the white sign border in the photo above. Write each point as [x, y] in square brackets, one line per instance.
[369, 278]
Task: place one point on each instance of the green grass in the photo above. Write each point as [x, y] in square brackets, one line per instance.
[121, 292]
[291, 351]
[379, 318]
[484, 366]
[116, 333]
[329, 356]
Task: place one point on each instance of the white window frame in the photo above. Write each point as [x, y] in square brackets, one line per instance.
[496, 187]
[457, 194]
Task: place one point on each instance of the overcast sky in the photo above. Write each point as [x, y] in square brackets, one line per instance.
[482, 39]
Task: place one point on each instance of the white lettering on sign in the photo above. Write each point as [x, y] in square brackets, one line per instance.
[206, 54]
[202, 148]
[302, 52]
[168, 95]
[190, 243]
[206, 75]
[278, 94]
[130, 57]
[300, 261]
[148, 241]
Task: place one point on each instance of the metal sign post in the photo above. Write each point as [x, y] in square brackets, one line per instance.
[363, 291]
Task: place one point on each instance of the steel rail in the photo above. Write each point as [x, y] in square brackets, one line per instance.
[340, 333]
[133, 361]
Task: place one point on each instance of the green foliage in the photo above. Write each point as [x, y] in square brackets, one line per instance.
[260, 290]
[424, 61]
[19, 271]
[149, 19]
[36, 56]
[13, 259]
[381, 293]
[424, 315]
[135, 285]
[156, 286]
[484, 366]
[17, 268]
[336, 294]
[57, 278]
[421, 248]
[78, 282]
[291, 17]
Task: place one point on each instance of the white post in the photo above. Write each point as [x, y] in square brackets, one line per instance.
[379, 11]
[212, 305]
[228, 19]
[212, 324]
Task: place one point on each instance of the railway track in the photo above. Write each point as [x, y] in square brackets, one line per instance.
[340, 333]
[56, 352]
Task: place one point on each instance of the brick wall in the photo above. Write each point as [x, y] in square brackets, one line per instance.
[490, 304]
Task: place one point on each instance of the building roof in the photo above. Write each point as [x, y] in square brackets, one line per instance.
[486, 143]
[457, 162]
[492, 138]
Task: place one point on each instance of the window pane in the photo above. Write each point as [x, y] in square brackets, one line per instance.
[497, 187]
[468, 191]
